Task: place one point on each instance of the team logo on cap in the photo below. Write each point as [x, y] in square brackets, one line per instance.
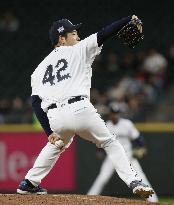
[60, 29]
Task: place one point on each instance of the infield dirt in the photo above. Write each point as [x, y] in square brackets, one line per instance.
[67, 199]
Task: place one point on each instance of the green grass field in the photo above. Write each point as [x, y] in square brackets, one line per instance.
[166, 199]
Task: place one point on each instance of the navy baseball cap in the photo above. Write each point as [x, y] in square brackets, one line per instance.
[113, 107]
[61, 27]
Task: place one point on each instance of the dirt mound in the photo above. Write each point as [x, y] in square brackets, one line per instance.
[66, 199]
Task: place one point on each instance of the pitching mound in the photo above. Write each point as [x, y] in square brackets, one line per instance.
[67, 199]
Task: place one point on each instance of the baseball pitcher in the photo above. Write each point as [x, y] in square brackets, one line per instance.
[61, 100]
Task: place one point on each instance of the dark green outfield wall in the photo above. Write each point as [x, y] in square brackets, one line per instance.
[158, 166]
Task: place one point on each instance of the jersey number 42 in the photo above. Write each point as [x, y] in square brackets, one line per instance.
[61, 65]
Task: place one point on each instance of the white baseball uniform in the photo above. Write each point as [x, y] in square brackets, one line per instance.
[124, 131]
[65, 73]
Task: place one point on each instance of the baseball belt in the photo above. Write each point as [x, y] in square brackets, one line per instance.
[70, 101]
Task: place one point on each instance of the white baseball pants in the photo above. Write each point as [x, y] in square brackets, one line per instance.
[80, 118]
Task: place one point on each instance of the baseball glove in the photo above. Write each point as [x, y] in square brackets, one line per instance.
[139, 153]
[131, 34]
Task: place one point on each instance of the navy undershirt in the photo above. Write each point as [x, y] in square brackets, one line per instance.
[102, 35]
[111, 30]
[40, 114]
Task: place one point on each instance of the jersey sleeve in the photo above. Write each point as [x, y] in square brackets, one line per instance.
[89, 48]
[133, 132]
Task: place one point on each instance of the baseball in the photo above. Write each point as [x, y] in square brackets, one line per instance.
[59, 144]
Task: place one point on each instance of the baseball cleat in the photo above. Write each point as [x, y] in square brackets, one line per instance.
[141, 189]
[25, 187]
